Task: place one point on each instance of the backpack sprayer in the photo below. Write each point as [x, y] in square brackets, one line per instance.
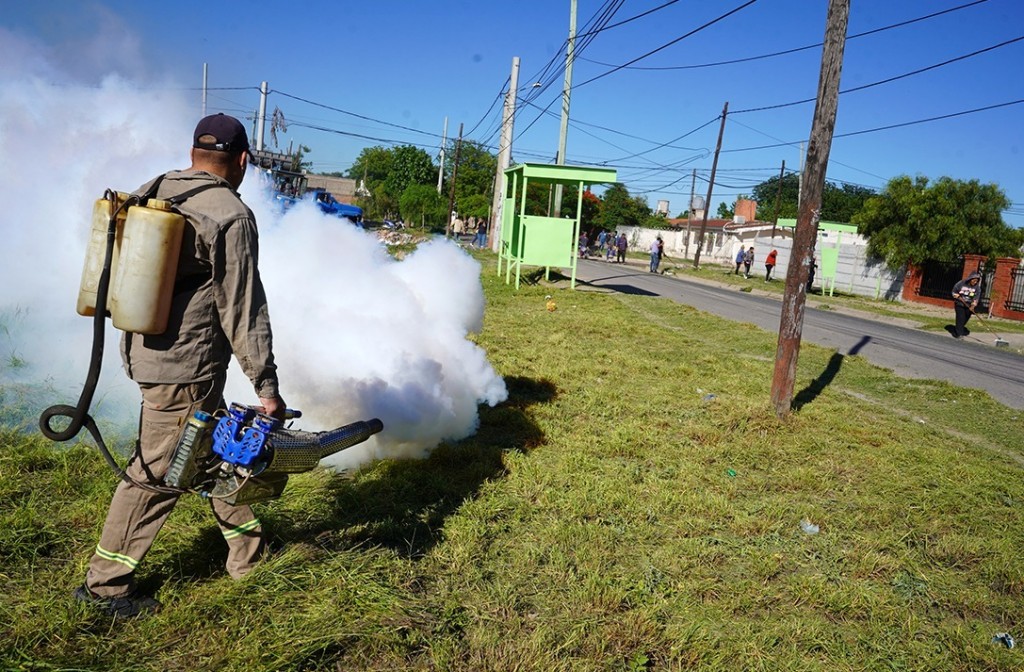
[239, 455]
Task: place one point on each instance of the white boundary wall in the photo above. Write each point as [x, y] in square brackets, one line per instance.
[856, 273]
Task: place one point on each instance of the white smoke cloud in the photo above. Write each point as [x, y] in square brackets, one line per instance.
[357, 333]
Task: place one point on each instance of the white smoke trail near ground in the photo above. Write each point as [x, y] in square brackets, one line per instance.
[357, 333]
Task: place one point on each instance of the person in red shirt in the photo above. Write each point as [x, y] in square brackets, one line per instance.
[769, 263]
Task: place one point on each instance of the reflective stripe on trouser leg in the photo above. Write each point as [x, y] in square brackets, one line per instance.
[136, 515]
[129, 562]
[243, 533]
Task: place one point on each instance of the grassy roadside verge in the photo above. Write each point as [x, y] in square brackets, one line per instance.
[634, 505]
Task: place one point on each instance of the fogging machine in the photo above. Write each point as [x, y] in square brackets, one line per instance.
[244, 456]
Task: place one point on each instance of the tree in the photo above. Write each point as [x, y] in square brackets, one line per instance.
[838, 204]
[767, 193]
[474, 205]
[387, 172]
[420, 204]
[619, 209]
[476, 174]
[409, 165]
[724, 211]
[913, 222]
[590, 206]
[298, 162]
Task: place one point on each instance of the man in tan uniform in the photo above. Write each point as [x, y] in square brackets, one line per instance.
[219, 309]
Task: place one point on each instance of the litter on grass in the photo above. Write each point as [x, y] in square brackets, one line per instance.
[808, 527]
[1004, 638]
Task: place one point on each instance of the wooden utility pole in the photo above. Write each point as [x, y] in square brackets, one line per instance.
[822, 128]
[689, 213]
[711, 184]
[451, 192]
[778, 199]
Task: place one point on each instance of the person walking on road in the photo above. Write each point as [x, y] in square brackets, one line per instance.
[480, 239]
[965, 300]
[769, 264]
[620, 246]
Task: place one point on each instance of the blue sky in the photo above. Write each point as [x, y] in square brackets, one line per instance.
[412, 64]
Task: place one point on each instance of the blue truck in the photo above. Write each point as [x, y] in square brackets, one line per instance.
[289, 186]
[326, 202]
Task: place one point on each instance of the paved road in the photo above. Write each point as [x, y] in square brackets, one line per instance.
[908, 352]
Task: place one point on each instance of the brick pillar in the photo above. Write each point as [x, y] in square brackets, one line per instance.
[911, 283]
[1002, 283]
[973, 263]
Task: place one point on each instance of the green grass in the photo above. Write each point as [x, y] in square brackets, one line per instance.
[611, 515]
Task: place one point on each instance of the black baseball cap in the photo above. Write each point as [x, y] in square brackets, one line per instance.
[228, 133]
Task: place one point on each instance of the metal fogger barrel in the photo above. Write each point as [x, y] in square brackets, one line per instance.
[247, 457]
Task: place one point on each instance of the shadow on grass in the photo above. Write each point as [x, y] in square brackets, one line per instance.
[395, 504]
[538, 275]
[816, 386]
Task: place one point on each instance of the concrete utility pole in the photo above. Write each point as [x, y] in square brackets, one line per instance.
[711, 184]
[444, 141]
[204, 89]
[818, 147]
[451, 192]
[563, 128]
[504, 156]
[778, 199]
[263, 116]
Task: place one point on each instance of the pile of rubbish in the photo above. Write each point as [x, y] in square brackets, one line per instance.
[389, 237]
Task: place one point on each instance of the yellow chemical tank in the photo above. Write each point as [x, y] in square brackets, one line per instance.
[96, 252]
[143, 285]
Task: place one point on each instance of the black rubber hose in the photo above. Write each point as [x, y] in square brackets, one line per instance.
[80, 414]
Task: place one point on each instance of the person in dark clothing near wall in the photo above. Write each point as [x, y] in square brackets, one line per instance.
[965, 300]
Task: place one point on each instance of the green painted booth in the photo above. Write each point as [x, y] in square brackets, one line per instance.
[540, 240]
[829, 253]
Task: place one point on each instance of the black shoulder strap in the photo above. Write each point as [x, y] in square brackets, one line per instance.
[153, 187]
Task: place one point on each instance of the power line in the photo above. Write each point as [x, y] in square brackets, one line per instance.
[633, 18]
[790, 51]
[666, 144]
[890, 126]
[668, 44]
[493, 103]
[353, 114]
[888, 80]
